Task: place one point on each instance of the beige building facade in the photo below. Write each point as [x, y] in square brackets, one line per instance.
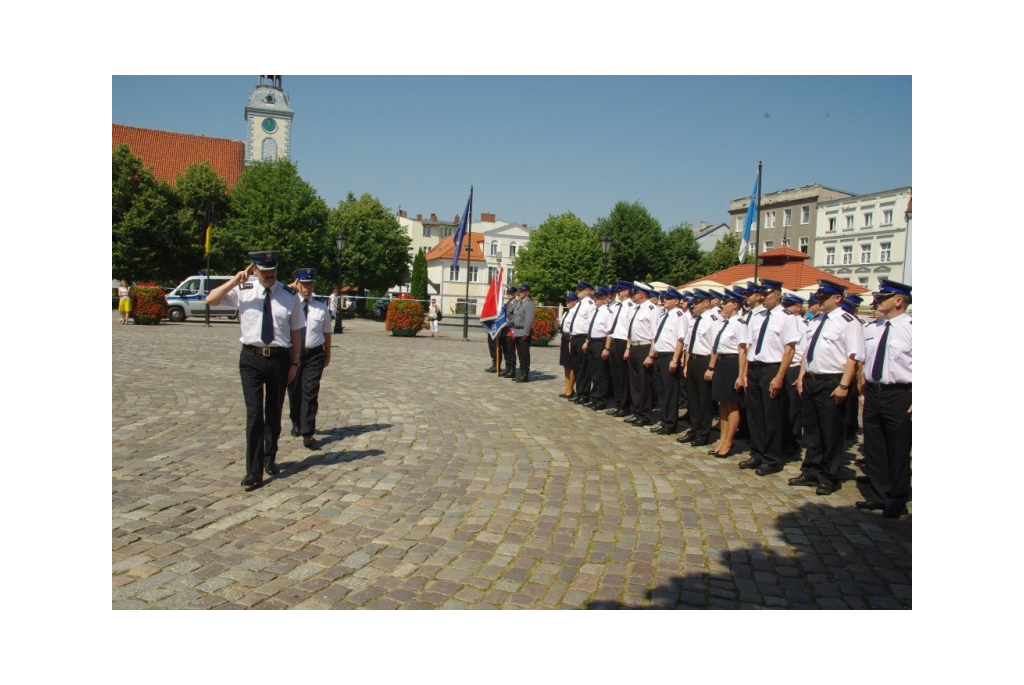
[788, 218]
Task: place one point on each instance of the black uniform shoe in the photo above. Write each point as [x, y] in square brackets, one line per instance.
[619, 413]
[663, 430]
[641, 423]
[869, 505]
[573, 397]
[824, 489]
[767, 470]
[752, 463]
[295, 431]
[252, 482]
[308, 442]
[803, 480]
[271, 468]
[700, 443]
[491, 369]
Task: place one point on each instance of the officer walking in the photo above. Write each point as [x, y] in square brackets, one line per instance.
[888, 405]
[304, 389]
[522, 331]
[271, 321]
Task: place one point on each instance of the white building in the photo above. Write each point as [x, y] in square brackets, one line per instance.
[864, 238]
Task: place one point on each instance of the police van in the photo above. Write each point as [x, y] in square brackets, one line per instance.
[189, 298]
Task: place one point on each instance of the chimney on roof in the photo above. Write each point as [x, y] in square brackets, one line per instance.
[433, 217]
[484, 217]
[456, 218]
[419, 217]
[703, 225]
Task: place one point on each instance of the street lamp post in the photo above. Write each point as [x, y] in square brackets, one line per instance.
[339, 327]
[606, 246]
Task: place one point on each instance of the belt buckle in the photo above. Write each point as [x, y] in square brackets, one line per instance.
[264, 351]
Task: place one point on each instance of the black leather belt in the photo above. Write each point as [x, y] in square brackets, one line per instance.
[311, 350]
[266, 351]
[760, 364]
[824, 376]
[700, 356]
[661, 354]
[883, 387]
[728, 355]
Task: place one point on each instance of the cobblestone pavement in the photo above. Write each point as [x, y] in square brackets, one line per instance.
[434, 485]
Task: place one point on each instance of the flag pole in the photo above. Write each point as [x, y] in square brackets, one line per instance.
[757, 218]
[469, 249]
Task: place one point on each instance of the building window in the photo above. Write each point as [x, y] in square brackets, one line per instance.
[849, 220]
[453, 273]
[884, 252]
[865, 254]
[447, 231]
[863, 281]
[739, 223]
[787, 217]
[426, 231]
[769, 219]
[474, 273]
[847, 254]
[804, 244]
[805, 214]
[785, 242]
[886, 217]
[768, 244]
[867, 219]
[508, 275]
[494, 248]
[830, 256]
[512, 249]
[492, 273]
[832, 224]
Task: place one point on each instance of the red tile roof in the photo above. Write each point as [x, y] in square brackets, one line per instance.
[446, 248]
[169, 154]
[781, 264]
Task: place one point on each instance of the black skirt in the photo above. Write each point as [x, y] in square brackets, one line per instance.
[727, 369]
[563, 356]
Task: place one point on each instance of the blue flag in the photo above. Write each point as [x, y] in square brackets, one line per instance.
[460, 232]
[751, 218]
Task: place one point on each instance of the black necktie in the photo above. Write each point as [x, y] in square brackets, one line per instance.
[693, 336]
[814, 339]
[876, 368]
[718, 338]
[629, 333]
[661, 326]
[576, 310]
[593, 320]
[615, 320]
[764, 329]
[267, 334]
[305, 313]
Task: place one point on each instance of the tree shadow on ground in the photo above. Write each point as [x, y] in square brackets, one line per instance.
[828, 558]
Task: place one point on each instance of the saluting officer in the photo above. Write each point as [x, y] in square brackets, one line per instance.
[886, 383]
[828, 369]
[271, 322]
[616, 346]
[773, 335]
[522, 331]
[304, 389]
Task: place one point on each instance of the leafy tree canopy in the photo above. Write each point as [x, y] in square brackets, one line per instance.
[638, 243]
[418, 284]
[684, 255]
[562, 251]
[199, 186]
[723, 256]
[143, 221]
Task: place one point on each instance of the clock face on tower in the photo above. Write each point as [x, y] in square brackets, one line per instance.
[269, 125]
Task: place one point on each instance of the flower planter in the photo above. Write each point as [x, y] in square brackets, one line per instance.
[404, 333]
[540, 342]
[146, 321]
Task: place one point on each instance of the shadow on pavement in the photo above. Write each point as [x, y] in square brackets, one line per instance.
[290, 468]
[337, 434]
[845, 559]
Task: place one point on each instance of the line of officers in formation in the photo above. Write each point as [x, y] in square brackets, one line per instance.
[797, 369]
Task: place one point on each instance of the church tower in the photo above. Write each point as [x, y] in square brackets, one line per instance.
[268, 121]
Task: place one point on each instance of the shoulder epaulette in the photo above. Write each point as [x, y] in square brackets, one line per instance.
[651, 306]
[290, 289]
[679, 312]
[630, 303]
[847, 317]
[714, 318]
[245, 286]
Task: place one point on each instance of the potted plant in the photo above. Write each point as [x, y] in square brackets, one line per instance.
[149, 304]
[543, 326]
[404, 317]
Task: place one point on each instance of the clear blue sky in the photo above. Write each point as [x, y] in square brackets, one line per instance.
[684, 146]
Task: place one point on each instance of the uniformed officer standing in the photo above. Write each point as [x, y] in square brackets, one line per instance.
[522, 331]
[271, 322]
[638, 354]
[594, 347]
[304, 389]
[773, 335]
[508, 343]
[698, 356]
[580, 325]
[792, 436]
[667, 349]
[888, 405]
[826, 373]
[616, 346]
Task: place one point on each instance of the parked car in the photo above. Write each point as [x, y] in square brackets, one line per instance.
[189, 298]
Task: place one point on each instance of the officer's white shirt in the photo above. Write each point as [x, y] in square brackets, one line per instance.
[318, 322]
[705, 323]
[801, 345]
[735, 335]
[898, 365]
[840, 337]
[673, 320]
[285, 306]
[602, 322]
[782, 330]
[625, 313]
[644, 323]
[581, 321]
[563, 325]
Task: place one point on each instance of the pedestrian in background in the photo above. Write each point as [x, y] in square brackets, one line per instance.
[124, 301]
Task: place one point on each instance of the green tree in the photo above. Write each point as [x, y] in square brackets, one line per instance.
[684, 255]
[196, 187]
[143, 221]
[638, 243]
[723, 256]
[562, 251]
[273, 208]
[418, 284]
[377, 254]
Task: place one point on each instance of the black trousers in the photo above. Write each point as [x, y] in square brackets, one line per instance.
[823, 429]
[620, 374]
[764, 415]
[523, 349]
[698, 397]
[887, 444]
[508, 347]
[599, 375]
[579, 365]
[493, 345]
[667, 382]
[304, 391]
[792, 435]
[263, 386]
[640, 382]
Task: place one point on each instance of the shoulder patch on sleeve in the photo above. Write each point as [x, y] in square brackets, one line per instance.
[847, 317]
[678, 313]
[650, 306]
[245, 286]
[714, 318]
[290, 289]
